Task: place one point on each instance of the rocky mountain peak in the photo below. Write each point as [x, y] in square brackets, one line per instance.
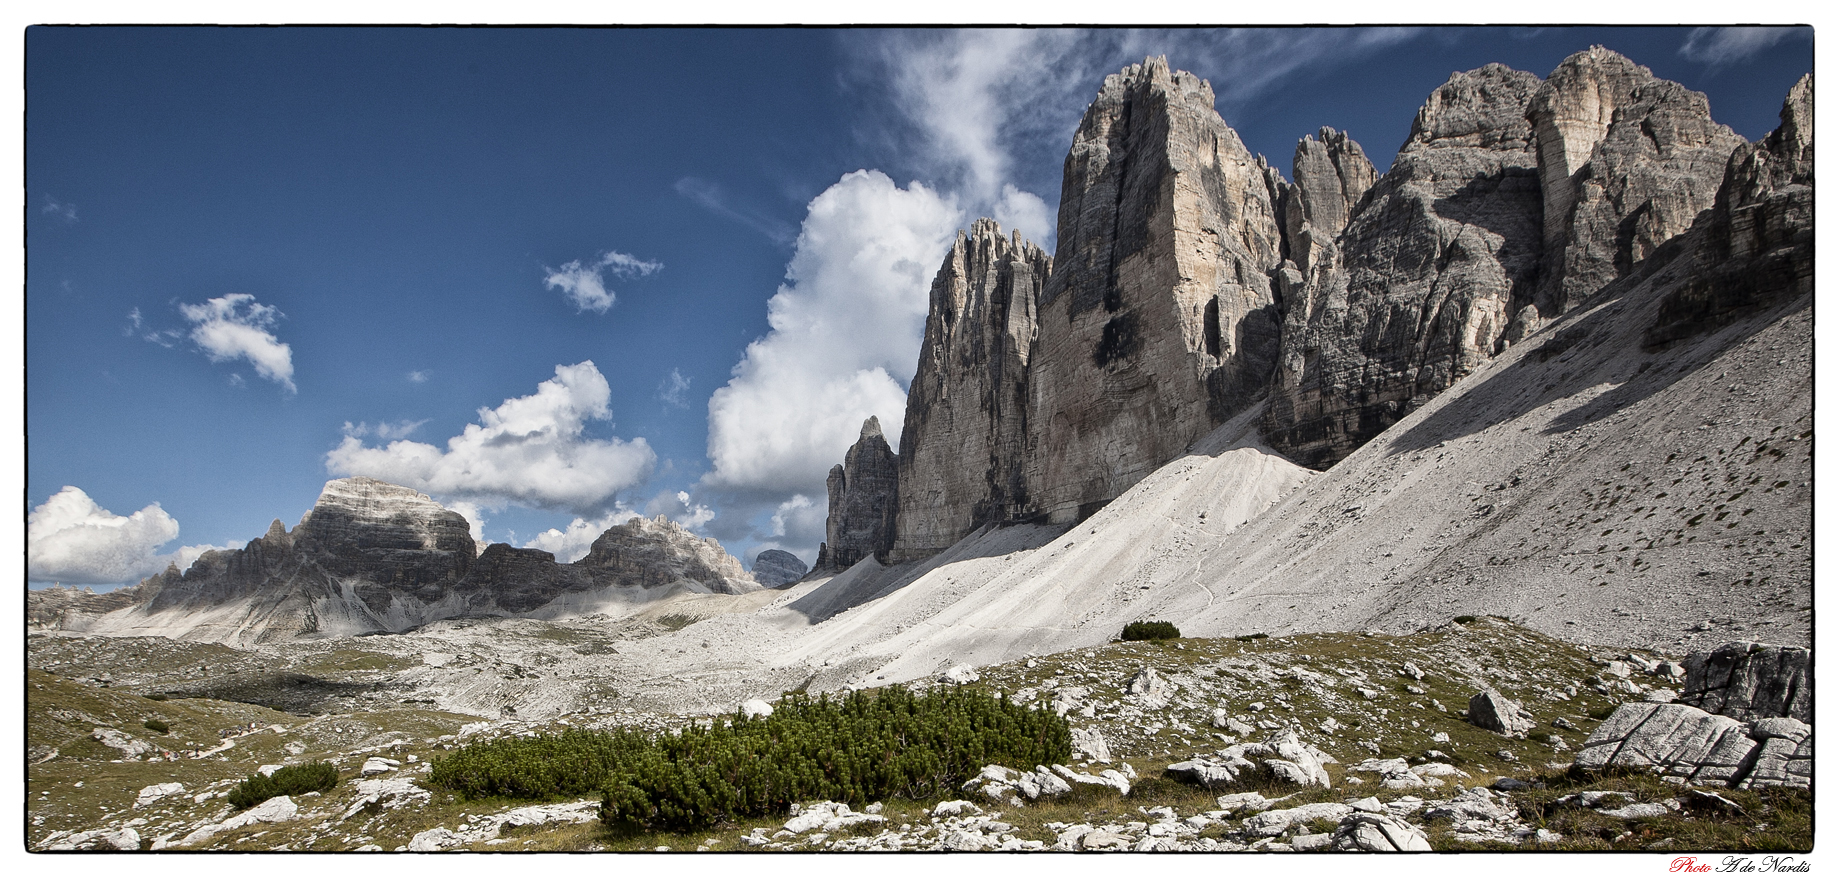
[1332, 173]
[777, 568]
[653, 552]
[1482, 108]
[864, 494]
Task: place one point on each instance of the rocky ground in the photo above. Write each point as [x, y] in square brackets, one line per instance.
[1376, 725]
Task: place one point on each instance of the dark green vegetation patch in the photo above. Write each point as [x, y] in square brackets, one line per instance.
[292, 780]
[157, 726]
[858, 748]
[1151, 631]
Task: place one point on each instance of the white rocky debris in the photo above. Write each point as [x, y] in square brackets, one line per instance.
[1090, 745]
[130, 746]
[279, 809]
[150, 794]
[755, 708]
[385, 794]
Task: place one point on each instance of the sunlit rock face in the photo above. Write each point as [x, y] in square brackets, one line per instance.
[653, 552]
[1420, 286]
[963, 443]
[1159, 320]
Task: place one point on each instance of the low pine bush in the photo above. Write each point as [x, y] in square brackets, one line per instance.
[291, 780]
[1151, 631]
[856, 748]
[157, 726]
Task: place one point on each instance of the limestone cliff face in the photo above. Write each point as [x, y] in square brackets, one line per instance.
[1422, 283]
[1759, 235]
[1159, 320]
[1626, 161]
[961, 449]
[364, 526]
[864, 495]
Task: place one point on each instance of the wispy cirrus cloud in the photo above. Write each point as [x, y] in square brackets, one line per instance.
[237, 327]
[61, 211]
[1718, 46]
[673, 389]
[584, 283]
[711, 198]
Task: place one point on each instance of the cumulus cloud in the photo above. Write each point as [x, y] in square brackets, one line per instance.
[584, 284]
[571, 543]
[672, 390]
[237, 327]
[531, 451]
[680, 508]
[845, 338]
[1728, 45]
[71, 539]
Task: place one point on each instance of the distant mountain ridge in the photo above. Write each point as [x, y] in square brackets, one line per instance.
[375, 557]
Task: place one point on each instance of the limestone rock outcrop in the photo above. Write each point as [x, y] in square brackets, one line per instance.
[777, 568]
[966, 428]
[1679, 740]
[371, 556]
[1747, 681]
[1159, 319]
[1626, 161]
[1760, 233]
[1421, 285]
[655, 552]
[864, 496]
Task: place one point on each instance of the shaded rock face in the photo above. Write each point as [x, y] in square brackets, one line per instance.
[654, 552]
[1419, 288]
[383, 532]
[961, 449]
[53, 609]
[777, 568]
[1626, 161]
[864, 496]
[1749, 681]
[1159, 320]
[1760, 234]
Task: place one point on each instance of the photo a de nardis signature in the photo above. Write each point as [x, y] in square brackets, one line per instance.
[1740, 864]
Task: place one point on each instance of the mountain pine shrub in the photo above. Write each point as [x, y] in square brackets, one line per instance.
[157, 726]
[856, 748]
[1151, 631]
[291, 780]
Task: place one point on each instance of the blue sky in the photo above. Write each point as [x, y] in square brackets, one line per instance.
[554, 277]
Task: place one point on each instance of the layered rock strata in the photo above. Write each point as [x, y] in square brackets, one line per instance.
[371, 556]
[864, 496]
[1421, 285]
[1159, 320]
[961, 448]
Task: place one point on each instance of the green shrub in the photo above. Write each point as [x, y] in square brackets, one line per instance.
[1151, 631]
[1247, 638]
[857, 748]
[1466, 620]
[155, 696]
[157, 726]
[292, 780]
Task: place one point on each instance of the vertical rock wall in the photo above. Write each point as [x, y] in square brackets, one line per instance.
[864, 495]
[961, 448]
[1159, 319]
[1426, 276]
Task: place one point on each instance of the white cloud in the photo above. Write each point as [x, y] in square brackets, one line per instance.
[845, 337]
[384, 430]
[1728, 45]
[419, 376]
[800, 520]
[60, 210]
[531, 451]
[237, 327]
[571, 544]
[680, 508]
[583, 285]
[71, 539]
[672, 388]
[475, 521]
[710, 196]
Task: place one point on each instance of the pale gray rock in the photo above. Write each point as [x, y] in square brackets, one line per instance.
[1746, 681]
[1488, 709]
[656, 552]
[385, 794]
[959, 675]
[1674, 739]
[1149, 687]
[777, 568]
[864, 498]
[962, 445]
[376, 765]
[1378, 833]
[130, 746]
[1425, 280]
[1090, 744]
[1270, 824]
[123, 839]
[432, 840]
[755, 708]
[1626, 161]
[1206, 773]
[155, 792]
[1159, 320]
[1785, 757]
